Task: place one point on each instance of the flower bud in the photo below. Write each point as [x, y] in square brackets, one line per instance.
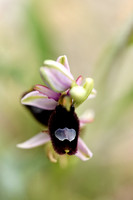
[81, 93]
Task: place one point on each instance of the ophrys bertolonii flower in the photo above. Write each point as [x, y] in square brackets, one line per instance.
[54, 104]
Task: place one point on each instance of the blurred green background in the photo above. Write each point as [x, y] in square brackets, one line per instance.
[97, 37]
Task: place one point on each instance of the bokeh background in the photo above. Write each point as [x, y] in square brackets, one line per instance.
[97, 37]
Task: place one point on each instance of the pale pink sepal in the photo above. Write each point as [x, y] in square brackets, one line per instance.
[39, 100]
[86, 117]
[79, 80]
[59, 67]
[64, 61]
[55, 79]
[83, 152]
[37, 140]
[48, 92]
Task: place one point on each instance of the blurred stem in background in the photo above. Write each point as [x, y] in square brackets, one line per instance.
[41, 34]
[110, 67]
[114, 51]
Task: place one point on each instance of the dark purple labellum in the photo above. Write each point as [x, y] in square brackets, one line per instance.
[64, 130]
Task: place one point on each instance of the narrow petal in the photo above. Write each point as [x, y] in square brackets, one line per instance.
[79, 80]
[64, 61]
[87, 117]
[37, 140]
[83, 152]
[56, 76]
[93, 94]
[39, 100]
[48, 92]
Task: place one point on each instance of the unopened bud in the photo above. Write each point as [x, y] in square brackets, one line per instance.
[79, 94]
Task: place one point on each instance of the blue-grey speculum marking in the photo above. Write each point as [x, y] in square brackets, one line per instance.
[65, 134]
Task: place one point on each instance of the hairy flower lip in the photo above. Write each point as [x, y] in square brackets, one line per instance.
[62, 119]
[82, 151]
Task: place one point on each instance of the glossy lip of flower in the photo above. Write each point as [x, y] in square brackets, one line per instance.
[83, 152]
[57, 76]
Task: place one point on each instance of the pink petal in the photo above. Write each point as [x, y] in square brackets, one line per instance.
[83, 152]
[79, 80]
[39, 100]
[64, 61]
[87, 117]
[59, 67]
[48, 92]
[55, 79]
[56, 76]
[37, 140]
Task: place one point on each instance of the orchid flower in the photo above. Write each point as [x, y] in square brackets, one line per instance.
[54, 104]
